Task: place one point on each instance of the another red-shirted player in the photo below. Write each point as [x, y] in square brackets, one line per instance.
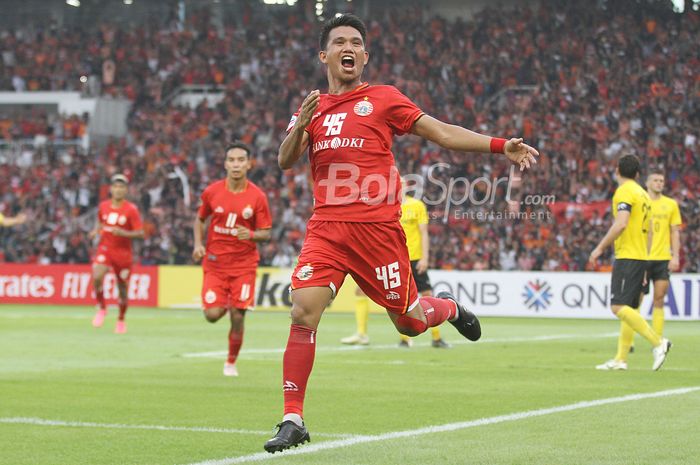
[240, 217]
[355, 227]
[118, 222]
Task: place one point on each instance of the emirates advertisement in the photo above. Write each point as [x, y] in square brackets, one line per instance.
[72, 285]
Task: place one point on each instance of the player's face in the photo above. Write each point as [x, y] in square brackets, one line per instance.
[345, 54]
[118, 190]
[655, 183]
[237, 164]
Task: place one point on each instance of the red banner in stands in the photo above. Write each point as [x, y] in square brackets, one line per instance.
[72, 285]
[567, 211]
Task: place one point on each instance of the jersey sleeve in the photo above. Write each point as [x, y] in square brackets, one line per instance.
[263, 218]
[676, 215]
[401, 112]
[204, 206]
[422, 213]
[135, 219]
[623, 200]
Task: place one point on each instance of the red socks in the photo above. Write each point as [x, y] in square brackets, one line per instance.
[122, 309]
[437, 311]
[298, 361]
[235, 341]
[100, 299]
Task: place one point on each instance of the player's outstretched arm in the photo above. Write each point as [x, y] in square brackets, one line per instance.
[297, 140]
[613, 233]
[454, 137]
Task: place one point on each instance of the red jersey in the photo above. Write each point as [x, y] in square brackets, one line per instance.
[229, 210]
[350, 139]
[125, 217]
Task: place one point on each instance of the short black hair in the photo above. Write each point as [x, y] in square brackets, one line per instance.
[629, 166]
[237, 144]
[346, 19]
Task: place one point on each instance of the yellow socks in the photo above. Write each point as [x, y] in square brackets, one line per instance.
[624, 341]
[632, 317]
[657, 320]
[436, 333]
[361, 314]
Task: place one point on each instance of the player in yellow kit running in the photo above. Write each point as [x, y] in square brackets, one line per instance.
[631, 233]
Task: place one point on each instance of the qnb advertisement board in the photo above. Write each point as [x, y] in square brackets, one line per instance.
[72, 285]
[557, 294]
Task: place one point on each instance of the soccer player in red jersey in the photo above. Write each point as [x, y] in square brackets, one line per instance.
[355, 225]
[240, 217]
[118, 222]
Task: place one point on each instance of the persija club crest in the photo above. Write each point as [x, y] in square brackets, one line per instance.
[363, 108]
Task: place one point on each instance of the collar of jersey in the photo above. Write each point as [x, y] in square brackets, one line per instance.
[362, 86]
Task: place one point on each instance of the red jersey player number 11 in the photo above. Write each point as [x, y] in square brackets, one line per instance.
[239, 217]
[355, 227]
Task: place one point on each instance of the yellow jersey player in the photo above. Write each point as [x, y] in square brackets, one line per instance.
[631, 232]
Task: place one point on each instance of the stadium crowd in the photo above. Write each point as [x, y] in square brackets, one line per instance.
[600, 83]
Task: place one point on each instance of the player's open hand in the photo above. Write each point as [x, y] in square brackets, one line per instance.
[198, 252]
[520, 153]
[308, 107]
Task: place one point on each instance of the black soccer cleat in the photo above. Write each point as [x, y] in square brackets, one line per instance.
[289, 434]
[466, 323]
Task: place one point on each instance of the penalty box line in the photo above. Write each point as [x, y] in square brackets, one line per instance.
[336, 444]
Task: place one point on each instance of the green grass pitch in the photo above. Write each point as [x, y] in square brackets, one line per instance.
[72, 394]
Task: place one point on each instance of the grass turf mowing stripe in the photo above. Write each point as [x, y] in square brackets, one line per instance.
[336, 444]
[196, 429]
[554, 337]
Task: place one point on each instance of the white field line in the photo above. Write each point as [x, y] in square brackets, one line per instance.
[196, 429]
[336, 444]
[552, 337]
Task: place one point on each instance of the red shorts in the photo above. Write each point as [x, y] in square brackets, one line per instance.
[374, 254]
[224, 290]
[120, 262]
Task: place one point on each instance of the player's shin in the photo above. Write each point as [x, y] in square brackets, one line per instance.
[297, 364]
[624, 341]
[235, 341]
[638, 324]
[437, 311]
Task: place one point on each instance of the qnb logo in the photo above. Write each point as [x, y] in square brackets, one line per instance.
[338, 143]
[334, 123]
[537, 295]
[290, 386]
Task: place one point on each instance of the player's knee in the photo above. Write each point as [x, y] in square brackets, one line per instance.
[212, 315]
[410, 326]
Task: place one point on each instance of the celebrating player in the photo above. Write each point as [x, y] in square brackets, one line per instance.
[355, 225]
[240, 217]
[630, 231]
[118, 222]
